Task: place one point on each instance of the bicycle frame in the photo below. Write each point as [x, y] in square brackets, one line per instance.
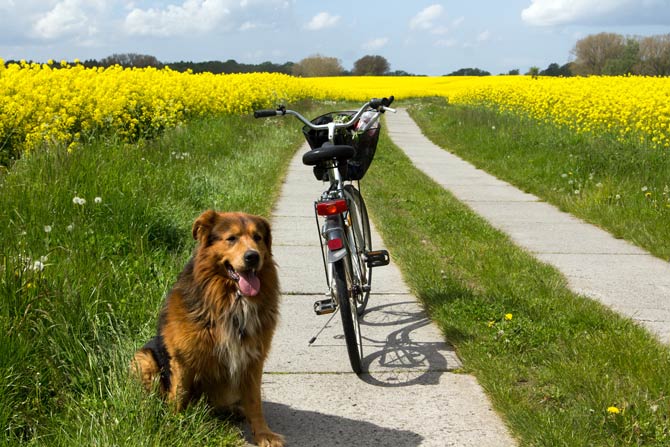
[342, 223]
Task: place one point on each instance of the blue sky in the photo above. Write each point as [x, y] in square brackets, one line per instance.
[424, 37]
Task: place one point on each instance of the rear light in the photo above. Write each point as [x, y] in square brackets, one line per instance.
[335, 244]
[331, 207]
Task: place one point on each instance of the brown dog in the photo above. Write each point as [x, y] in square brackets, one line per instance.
[217, 322]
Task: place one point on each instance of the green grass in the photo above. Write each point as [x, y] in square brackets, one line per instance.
[556, 366]
[70, 329]
[620, 186]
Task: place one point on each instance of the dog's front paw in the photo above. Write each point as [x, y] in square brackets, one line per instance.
[269, 439]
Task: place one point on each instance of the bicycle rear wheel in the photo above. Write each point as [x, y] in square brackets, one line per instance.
[346, 301]
[361, 242]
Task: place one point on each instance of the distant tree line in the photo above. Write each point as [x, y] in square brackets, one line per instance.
[315, 65]
[614, 54]
[596, 54]
[604, 54]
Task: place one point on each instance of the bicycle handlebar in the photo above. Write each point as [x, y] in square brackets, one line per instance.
[265, 113]
[380, 105]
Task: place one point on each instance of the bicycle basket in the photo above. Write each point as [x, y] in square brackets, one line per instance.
[364, 144]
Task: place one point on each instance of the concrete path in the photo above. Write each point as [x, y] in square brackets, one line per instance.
[615, 272]
[411, 396]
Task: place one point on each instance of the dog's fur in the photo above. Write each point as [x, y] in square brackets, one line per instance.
[212, 340]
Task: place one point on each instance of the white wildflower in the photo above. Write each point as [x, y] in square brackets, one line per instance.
[98, 200]
[47, 228]
[38, 266]
[79, 200]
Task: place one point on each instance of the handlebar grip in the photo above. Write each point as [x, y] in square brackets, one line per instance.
[265, 113]
[375, 103]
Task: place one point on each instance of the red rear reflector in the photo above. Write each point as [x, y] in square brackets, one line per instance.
[335, 244]
[331, 207]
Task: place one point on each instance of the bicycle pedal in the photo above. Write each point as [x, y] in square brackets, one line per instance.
[377, 258]
[323, 307]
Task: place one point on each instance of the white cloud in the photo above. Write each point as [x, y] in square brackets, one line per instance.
[248, 26]
[446, 43]
[597, 12]
[425, 18]
[67, 18]
[192, 16]
[484, 36]
[321, 21]
[375, 44]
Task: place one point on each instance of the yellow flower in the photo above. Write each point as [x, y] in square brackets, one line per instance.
[508, 317]
[613, 410]
[491, 323]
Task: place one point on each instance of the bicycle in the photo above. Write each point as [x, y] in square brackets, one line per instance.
[342, 148]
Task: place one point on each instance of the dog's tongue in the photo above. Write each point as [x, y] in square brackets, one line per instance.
[249, 283]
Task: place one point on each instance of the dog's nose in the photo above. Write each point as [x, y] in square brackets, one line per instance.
[252, 258]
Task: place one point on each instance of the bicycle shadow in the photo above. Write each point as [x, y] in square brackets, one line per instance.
[309, 428]
[412, 353]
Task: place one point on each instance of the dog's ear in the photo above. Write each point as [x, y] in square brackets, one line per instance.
[264, 225]
[203, 225]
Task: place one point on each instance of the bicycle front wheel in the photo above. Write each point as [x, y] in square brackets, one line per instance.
[347, 304]
[361, 243]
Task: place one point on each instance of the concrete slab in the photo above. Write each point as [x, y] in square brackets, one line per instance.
[409, 397]
[397, 338]
[429, 409]
[573, 237]
[615, 272]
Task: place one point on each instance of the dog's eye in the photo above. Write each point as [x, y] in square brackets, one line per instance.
[258, 237]
[231, 238]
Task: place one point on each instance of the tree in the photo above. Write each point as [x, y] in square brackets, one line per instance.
[628, 60]
[593, 52]
[533, 71]
[371, 66]
[131, 60]
[655, 55]
[469, 72]
[514, 72]
[557, 70]
[318, 66]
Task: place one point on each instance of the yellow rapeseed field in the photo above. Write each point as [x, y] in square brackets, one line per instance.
[62, 104]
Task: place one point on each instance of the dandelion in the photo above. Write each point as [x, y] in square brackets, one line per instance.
[97, 200]
[47, 228]
[491, 323]
[577, 192]
[508, 317]
[70, 227]
[644, 189]
[613, 410]
[647, 194]
[618, 196]
[599, 185]
[79, 201]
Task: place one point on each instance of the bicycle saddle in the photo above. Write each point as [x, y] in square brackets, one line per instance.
[339, 152]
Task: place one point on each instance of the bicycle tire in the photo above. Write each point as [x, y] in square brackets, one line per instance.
[361, 245]
[349, 317]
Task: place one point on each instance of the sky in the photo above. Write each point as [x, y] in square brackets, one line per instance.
[426, 37]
